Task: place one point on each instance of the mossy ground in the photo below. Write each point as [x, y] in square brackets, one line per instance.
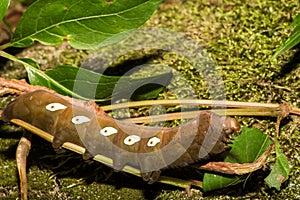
[241, 37]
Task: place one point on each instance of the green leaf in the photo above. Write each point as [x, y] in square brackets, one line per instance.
[37, 77]
[280, 171]
[82, 83]
[149, 91]
[246, 148]
[85, 24]
[30, 62]
[293, 39]
[3, 7]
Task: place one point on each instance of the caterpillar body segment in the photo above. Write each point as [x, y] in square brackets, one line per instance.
[149, 149]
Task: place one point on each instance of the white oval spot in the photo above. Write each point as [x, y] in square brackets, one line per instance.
[153, 141]
[55, 106]
[80, 119]
[131, 139]
[107, 131]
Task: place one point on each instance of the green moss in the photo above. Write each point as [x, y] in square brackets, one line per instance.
[241, 37]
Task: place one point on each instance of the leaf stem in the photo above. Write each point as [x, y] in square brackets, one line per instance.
[4, 46]
[29, 68]
[9, 56]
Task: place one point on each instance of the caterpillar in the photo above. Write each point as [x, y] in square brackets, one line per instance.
[149, 149]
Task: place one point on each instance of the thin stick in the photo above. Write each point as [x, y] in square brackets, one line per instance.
[237, 168]
[232, 104]
[193, 114]
[227, 104]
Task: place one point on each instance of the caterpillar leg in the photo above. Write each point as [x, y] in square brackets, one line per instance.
[57, 145]
[87, 157]
[151, 177]
[21, 158]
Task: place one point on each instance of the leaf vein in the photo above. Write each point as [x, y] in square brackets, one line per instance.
[73, 20]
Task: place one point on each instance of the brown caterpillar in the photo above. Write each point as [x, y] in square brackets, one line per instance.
[149, 149]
